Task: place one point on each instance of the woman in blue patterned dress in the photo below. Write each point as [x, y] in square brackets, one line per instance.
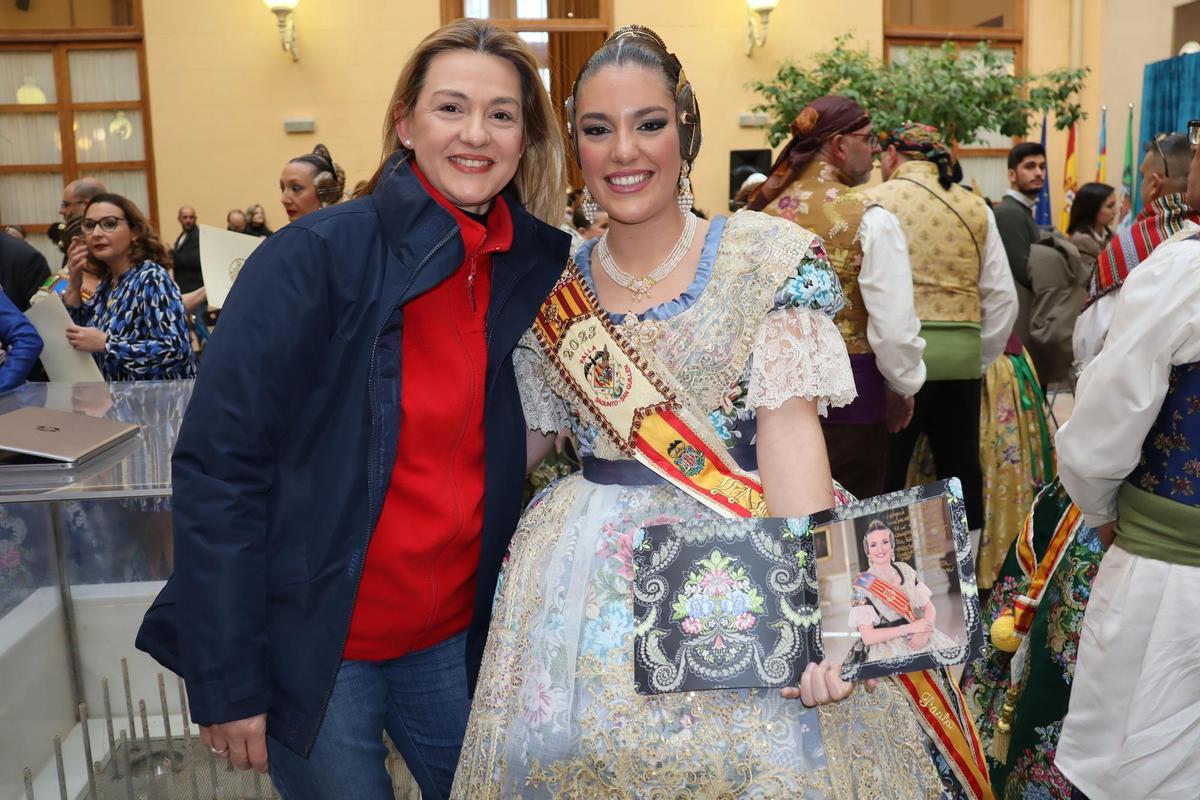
[134, 325]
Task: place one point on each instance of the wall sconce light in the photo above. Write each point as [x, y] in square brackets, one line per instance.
[285, 16]
[758, 12]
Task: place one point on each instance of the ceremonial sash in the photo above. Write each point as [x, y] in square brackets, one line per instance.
[636, 408]
[950, 727]
[648, 422]
[1025, 607]
[1040, 570]
[886, 593]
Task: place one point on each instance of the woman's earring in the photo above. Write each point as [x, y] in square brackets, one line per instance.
[685, 189]
[588, 206]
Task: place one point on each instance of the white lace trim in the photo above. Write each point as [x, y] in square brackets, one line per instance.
[800, 353]
[544, 410]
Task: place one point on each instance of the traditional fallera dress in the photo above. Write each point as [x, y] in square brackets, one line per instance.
[555, 712]
[868, 606]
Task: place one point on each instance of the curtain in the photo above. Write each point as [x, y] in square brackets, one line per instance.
[109, 136]
[130, 183]
[30, 74]
[29, 139]
[104, 76]
[989, 174]
[1170, 97]
[30, 199]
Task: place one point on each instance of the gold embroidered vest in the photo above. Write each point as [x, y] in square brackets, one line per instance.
[946, 231]
[820, 201]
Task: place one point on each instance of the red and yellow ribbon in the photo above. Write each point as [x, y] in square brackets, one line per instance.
[951, 729]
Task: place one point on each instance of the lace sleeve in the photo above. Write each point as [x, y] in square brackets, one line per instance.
[544, 410]
[799, 353]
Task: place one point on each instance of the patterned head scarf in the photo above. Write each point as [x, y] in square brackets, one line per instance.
[820, 121]
[925, 143]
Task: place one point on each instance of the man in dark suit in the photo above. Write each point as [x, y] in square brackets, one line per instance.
[1014, 221]
[23, 270]
[186, 253]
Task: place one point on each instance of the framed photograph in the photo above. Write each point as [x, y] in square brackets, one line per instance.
[723, 604]
[898, 591]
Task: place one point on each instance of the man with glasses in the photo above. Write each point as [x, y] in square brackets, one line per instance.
[1128, 458]
[1165, 214]
[832, 150]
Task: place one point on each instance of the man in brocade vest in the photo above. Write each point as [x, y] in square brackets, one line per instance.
[965, 299]
[832, 150]
[1165, 214]
[1129, 458]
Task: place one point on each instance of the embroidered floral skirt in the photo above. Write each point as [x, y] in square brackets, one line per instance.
[555, 711]
[1028, 771]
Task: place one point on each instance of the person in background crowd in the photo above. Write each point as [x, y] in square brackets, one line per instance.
[964, 296]
[310, 182]
[832, 150]
[1127, 457]
[1014, 212]
[256, 221]
[20, 345]
[1093, 212]
[22, 270]
[65, 234]
[369, 351]
[590, 229]
[15, 231]
[746, 189]
[1165, 214]
[1058, 278]
[134, 323]
[185, 255]
[235, 221]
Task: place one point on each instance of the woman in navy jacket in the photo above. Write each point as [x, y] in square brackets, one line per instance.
[20, 345]
[349, 470]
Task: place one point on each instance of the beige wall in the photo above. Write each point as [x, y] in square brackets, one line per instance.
[220, 86]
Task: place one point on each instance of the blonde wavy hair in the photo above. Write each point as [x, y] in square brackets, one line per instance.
[540, 180]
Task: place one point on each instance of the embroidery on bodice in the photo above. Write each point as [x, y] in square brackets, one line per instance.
[1170, 464]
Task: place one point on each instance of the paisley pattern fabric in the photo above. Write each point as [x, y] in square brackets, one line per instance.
[555, 714]
[147, 331]
[1170, 465]
[1028, 772]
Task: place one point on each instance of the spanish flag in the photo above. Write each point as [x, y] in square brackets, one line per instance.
[1069, 182]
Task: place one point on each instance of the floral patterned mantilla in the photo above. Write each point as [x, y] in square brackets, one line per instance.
[724, 604]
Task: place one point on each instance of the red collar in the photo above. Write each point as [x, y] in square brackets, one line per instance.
[499, 231]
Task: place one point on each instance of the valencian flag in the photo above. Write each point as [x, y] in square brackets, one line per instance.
[1041, 214]
[1069, 183]
[1125, 202]
[1102, 159]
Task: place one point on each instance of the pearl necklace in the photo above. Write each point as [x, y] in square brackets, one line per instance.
[640, 286]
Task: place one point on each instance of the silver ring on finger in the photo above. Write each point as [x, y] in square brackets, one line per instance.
[220, 752]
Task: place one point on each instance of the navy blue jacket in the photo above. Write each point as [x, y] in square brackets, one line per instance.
[287, 447]
[24, 345]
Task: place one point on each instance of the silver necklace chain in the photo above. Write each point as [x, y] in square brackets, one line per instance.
[640, 286]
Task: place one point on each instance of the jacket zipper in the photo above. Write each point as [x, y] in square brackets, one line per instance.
[370, 455]
[474, 267]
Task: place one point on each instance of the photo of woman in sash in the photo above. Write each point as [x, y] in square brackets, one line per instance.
[731, 320]
[892, 609]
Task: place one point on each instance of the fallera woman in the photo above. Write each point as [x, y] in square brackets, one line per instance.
[732, 318]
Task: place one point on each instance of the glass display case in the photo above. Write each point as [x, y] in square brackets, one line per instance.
[83, 552]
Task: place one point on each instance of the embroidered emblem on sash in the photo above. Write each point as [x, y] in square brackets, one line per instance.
[689, 460]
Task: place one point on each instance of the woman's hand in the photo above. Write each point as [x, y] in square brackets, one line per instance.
[243, 742]
[77, 259]
[917, 641]
[822, 684]
[87, 340]
[918, 627]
